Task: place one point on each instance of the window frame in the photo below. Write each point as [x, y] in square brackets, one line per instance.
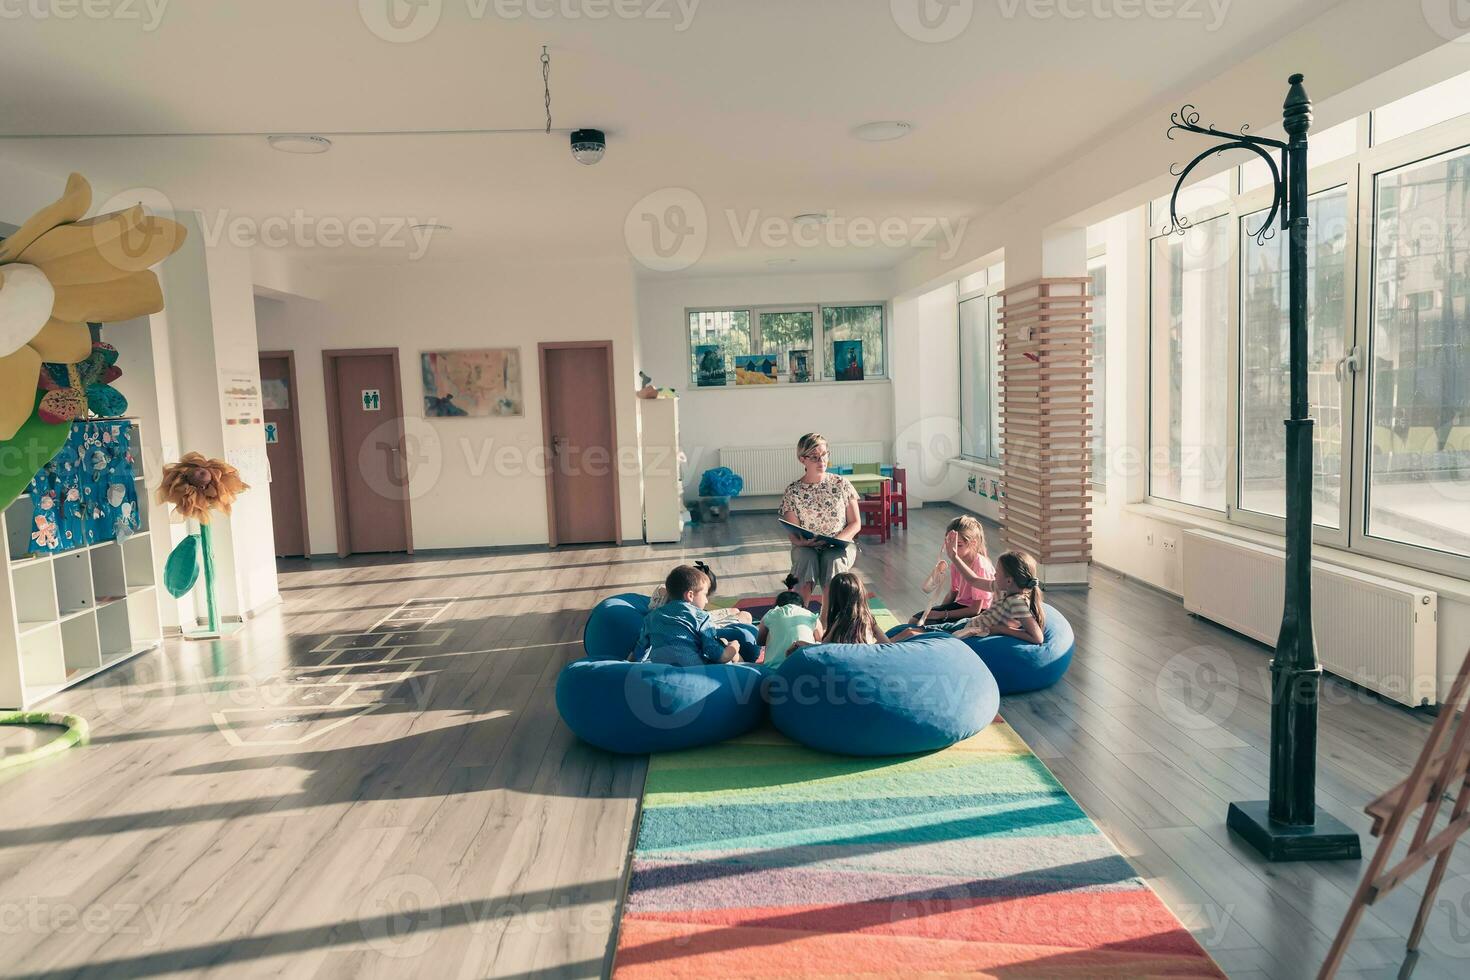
[1358, 174]
[1097, 258]
[989, 294]
[754, 311]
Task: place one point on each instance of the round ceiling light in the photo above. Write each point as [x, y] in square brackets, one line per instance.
[299, 144]
[882, 132]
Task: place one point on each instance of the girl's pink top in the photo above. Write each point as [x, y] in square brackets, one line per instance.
[968, 594]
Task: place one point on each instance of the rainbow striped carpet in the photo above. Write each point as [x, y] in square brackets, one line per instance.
[761, 858]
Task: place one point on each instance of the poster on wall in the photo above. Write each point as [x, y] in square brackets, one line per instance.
[240, 393]
[711, 365]
[847, 356]
[799, 366]
[755, 369]
[478, 383]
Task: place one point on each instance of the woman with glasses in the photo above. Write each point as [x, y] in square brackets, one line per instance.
[826, 504]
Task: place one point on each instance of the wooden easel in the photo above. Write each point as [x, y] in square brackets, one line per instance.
[1437, 771]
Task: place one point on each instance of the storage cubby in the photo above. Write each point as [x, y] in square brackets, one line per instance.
[137, 553]
[40, 655]
[108, 582]
[79, 647]
[114, 638]
[76, 612]
[18, 527]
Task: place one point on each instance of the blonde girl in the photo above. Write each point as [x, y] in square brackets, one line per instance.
[1018, 610]
[964, 547]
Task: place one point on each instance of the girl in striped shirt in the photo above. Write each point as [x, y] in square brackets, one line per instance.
[1017, 609]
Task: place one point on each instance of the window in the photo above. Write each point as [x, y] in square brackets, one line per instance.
[1264, 356]
[978, 421]
[727, 329]
[1418, 489]
[777, 331]
[1189, 364]
[1388, 341]
[783, 331]
[1097, 267]
[861, 323]
[1421, 110]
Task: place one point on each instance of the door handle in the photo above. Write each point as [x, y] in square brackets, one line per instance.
[1351, 361]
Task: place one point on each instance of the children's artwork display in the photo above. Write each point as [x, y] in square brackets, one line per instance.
[461, 383]
[755, 369]
[847, 358]
[799, 366]
[86, 494]
[710, 361]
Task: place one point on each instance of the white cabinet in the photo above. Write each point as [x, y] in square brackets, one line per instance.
[64, 617]
[663, 490]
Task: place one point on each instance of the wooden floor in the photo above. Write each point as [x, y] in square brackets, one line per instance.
[372, 779]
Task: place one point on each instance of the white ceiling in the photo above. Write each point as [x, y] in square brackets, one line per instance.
[749, 106]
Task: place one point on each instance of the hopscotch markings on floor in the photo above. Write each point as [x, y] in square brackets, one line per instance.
[406, 627]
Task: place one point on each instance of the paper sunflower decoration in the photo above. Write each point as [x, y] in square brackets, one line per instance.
[57, 273]
[197, 485]
[74, 391]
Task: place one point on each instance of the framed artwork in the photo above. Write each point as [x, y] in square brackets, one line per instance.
[755, 369]
[799, 366]
[847, 356]
[711, 361]
[464, 383]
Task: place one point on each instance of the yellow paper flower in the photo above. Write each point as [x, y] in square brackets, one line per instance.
[59, 272]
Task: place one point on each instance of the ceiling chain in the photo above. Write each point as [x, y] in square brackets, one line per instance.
[546, 83]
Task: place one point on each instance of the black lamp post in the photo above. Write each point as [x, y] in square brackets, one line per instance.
[1288, 826]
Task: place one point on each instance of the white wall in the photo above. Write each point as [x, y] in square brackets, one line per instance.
[766, 415]
[473, 481]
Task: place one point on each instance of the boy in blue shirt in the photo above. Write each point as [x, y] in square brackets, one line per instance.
[679, 632]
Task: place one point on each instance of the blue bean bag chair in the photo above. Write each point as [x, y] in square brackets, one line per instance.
[891, 699]
[613, 627]
[1019, 666]
[645, 707]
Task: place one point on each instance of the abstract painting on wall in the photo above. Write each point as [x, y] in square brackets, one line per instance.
[459, 383]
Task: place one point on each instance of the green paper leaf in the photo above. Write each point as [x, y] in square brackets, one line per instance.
[32, 447]
[181, 570]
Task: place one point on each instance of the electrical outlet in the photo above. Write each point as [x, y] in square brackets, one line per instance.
[1169, 544]
[1148, 539]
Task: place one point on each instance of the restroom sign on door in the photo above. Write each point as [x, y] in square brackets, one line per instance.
[372, 399]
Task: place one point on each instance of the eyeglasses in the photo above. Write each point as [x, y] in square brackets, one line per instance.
[814, 457]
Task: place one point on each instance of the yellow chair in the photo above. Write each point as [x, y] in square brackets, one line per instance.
[1458, 441]
[876, 469]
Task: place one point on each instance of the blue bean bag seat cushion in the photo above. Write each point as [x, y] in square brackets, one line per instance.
[646, 707]
[1019, 666]
[891, 699]
[613, 627]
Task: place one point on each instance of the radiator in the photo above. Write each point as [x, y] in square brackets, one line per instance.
[769, 469]
[1370, 631]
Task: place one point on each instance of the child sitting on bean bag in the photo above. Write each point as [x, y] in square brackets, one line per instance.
[680, 633]
[787, 624]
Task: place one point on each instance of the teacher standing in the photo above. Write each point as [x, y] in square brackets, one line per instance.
[827, 504]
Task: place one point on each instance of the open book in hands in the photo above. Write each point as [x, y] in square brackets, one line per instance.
[801, 532]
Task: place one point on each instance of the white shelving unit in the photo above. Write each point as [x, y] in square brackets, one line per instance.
[663, 490]
[67, 616]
